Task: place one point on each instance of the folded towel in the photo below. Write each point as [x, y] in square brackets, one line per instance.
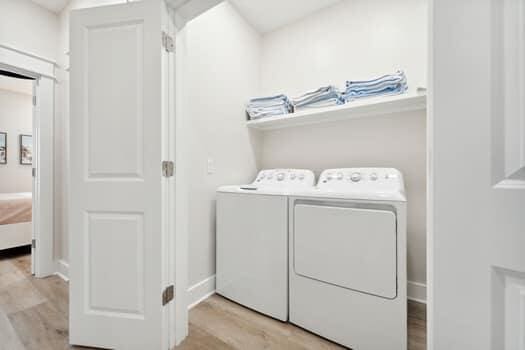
[390, 84]
[256, 113]
[268, 106]
[322, 97]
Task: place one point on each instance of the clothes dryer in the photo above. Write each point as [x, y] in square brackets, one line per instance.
[348, 258]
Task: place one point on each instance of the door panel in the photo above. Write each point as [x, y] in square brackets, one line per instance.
[476, 167]
[107, 271]
[117, 219]
[115, 104]
[508, 109]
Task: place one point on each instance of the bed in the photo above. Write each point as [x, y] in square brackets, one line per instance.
[15, 219]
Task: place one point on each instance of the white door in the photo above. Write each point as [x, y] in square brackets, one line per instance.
[477, 175]
[118, 222]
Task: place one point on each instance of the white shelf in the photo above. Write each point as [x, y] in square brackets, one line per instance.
[365, 107]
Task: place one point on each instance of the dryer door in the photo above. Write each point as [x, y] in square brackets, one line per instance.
[352, 248]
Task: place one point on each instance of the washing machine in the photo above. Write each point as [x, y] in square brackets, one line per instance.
[347, 277]
[252, 240]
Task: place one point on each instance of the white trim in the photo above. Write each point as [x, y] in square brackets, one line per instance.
[24, 63]
[44, 181]
[29, 54]
[182, 159]
[430, 177]
[201, 291]
[62, 270]
[417, 291]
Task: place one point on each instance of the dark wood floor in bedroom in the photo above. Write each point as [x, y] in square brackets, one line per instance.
[34, 316]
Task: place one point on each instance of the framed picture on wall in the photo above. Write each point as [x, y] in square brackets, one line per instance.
[26, 149]
[3, 148]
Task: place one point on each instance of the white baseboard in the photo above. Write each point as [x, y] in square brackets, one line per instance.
[417, 291]
[201, 291]
[62, 270]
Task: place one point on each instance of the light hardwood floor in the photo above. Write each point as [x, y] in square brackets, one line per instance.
[34, 316]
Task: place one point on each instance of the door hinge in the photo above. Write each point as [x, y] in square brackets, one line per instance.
[34, 100]
[167, 42]
[33, 172]
[168, 294]
[33, 243]
[168, 168]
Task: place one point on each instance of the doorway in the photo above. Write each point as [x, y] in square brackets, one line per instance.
[26, 152]
[16, 160]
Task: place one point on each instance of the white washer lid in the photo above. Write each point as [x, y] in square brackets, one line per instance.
[275, 182]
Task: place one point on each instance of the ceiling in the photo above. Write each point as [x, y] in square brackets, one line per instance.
[269, 15]
[265, 15]
[22, 86]
[52, 5]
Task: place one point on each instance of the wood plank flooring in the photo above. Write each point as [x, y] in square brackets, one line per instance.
[218, 323]
[34, 316]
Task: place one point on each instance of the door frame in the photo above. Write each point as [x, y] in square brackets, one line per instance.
[43, 71]
[430, 179]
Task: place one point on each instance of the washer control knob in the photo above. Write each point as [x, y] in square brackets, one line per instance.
[355, 177]
[301, 177]
[280, 177]
[373, 176]
[270, 176]
[292, 176]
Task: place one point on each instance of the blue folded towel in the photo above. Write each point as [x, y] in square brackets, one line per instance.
[322, 97]
[390, 84]
[268, 106]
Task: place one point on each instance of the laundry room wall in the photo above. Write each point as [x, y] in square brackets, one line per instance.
[223, 60]
[355, 39]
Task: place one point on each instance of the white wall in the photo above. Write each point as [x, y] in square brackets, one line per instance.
[16, 113]
[223, 72]
[28, 27]
[356, 39]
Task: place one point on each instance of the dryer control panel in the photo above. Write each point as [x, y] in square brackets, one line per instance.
[282, 178]
[378, 182]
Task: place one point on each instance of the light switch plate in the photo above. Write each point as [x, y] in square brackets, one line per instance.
[211, 166]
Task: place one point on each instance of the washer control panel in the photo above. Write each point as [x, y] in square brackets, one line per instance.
[362, 180]
[281, 178]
